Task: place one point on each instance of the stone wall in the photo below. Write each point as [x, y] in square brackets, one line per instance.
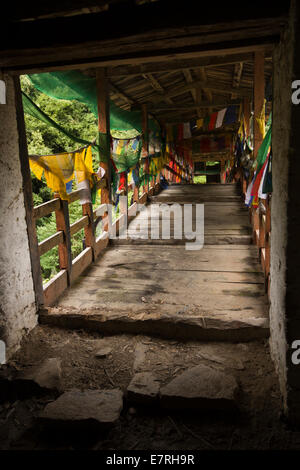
[17, 298]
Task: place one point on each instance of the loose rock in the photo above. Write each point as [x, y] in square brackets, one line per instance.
[139, 356]
[47, 375]
[103, 352]
[200, 388]
[98, 407]
[143, 389]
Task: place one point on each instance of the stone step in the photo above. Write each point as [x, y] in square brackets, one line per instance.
[230, 239]
[172, 326]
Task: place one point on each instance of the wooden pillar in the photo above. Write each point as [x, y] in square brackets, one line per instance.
[222, 171]
[246, 109]
[259, 96]
[145, 141]
[89, 231]
[136, 193]
[28, 201]
[64, 248]
[104, 134]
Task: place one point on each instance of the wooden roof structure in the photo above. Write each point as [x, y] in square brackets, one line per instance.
[189, 91]
[161, 53]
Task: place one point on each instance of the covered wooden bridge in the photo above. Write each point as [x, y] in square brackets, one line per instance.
[220, 86]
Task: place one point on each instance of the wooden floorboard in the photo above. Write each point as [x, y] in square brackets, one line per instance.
[221, 280]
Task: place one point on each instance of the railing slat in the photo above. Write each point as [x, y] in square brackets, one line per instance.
[46, 208]
[51, 242]
[78, 225]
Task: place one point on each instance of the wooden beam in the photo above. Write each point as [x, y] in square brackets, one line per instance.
[237, 74]
[209, 85]
[28, 201]
[189, 79]
[196, 92]
[259, 96]
[157, 86]
[177, 65]
[47, 63]
[129, 101]
[182, 107]
[154, 83]
[157, 27]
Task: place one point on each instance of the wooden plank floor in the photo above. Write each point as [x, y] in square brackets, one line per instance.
[142, 277]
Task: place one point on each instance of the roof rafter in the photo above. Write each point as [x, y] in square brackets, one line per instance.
[213, 86]
[237, 74]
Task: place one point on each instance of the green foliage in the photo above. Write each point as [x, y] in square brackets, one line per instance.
[200, 179]
[76, 118]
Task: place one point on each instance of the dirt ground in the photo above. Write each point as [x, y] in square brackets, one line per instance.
[258, 425]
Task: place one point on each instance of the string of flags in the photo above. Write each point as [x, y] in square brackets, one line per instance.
[224, 117]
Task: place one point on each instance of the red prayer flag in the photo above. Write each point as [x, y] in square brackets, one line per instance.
[212, 122]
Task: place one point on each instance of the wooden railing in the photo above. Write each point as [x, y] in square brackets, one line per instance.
[260, 218]
[70, 269]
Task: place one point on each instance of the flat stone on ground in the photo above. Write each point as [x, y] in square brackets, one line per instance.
[103, 352]
[208, 353]
[46, 375]
[200, 388]
[139, 356]
[100, 407]
[143, 388]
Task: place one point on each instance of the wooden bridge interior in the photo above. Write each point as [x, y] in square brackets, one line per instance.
[153, 291]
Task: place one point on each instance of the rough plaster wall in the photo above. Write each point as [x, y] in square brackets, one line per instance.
[293, 251]
[285, 252]
[17, 300]
[280, 144]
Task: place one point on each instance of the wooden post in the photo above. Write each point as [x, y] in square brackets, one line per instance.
[136, 193]
[246, 109]
[145, 142]
[28, 201]
[126, 194]
[222, 171]
[259, 96]
[64, 248]
[89, 231]
[104, 134]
